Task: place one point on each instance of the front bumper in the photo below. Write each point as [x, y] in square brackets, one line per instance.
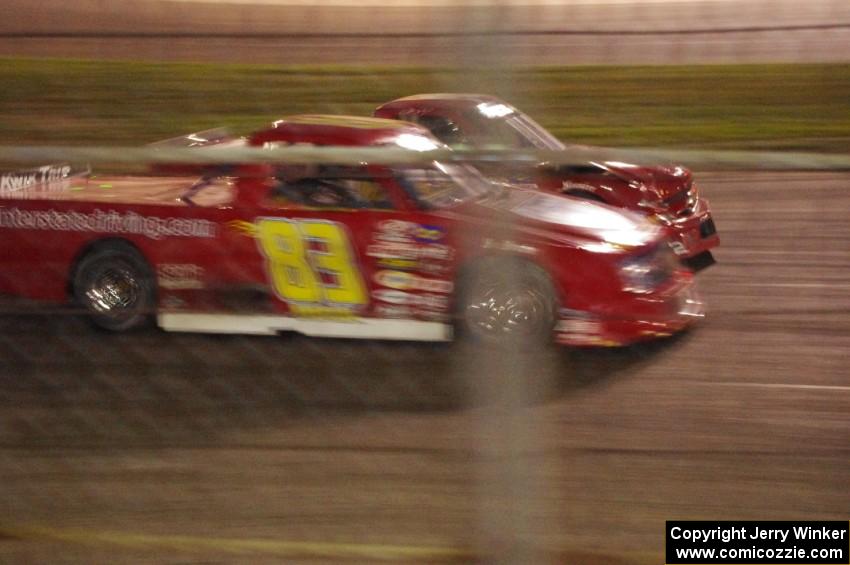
[694, 234]
[663, 313]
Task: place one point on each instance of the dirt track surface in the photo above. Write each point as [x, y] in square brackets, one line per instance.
[113, 446]
[538, 33]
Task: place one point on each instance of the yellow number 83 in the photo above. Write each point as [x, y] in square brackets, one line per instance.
[310, 262]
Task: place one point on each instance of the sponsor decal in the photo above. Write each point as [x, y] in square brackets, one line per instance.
[109, 221]
[580, 327]
[180, 276]
[570, 185]
[510, 246]
[402, 280]
[436, 302]
[425, 301]
[429, 234]
[408, 246]
[433, 316]
[678, 248]
[395, 263]
[401, 231]
[437, 269]
[393, 311]
[19, 180]
[414, 252]
[398, 231]
[394, 296]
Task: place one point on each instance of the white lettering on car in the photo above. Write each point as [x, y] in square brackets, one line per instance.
[18, 180]
[110, 221]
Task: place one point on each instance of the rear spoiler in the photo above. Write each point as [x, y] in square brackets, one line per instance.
[215, 136]
[46, 177]
[207, 138]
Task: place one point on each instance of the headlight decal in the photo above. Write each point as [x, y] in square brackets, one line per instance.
[644, 273]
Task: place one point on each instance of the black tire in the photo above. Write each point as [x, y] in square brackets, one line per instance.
[506, 301]
[116, 287]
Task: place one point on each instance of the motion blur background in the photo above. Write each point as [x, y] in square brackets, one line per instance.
[186, 449]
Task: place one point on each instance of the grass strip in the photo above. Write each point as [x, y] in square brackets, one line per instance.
[754, 107]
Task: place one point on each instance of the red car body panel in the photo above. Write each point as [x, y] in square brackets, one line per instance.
[224, 259]
[666, 192]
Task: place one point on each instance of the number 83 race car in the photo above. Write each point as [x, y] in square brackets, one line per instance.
[421, 252]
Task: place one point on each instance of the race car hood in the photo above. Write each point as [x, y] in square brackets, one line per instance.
[582, 218]
[658, 182]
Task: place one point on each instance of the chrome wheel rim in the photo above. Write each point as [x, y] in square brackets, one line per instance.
[113, 292]
[498, 311]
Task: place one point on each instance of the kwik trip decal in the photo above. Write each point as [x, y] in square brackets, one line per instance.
[15, 181]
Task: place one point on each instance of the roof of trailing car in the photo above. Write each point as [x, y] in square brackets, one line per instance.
[441, 99]
[470, 97]
[326, 129]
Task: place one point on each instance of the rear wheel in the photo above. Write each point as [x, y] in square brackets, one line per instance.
[115, 285]
[507, 301]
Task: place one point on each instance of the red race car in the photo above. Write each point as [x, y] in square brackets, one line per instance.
[667, 193]
[370, 251]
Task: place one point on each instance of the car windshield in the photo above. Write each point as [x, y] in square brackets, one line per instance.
[504, 125]
[444, 185]
[534, 132]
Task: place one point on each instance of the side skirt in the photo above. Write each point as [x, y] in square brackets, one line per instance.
[354, 328]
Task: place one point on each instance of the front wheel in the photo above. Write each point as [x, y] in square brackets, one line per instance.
[507, 302]
[116, 287]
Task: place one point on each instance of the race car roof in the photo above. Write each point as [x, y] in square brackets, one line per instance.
[323, 129]
[439, 99]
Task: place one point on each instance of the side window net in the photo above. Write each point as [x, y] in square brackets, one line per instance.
[330, 187]
[443, 129]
